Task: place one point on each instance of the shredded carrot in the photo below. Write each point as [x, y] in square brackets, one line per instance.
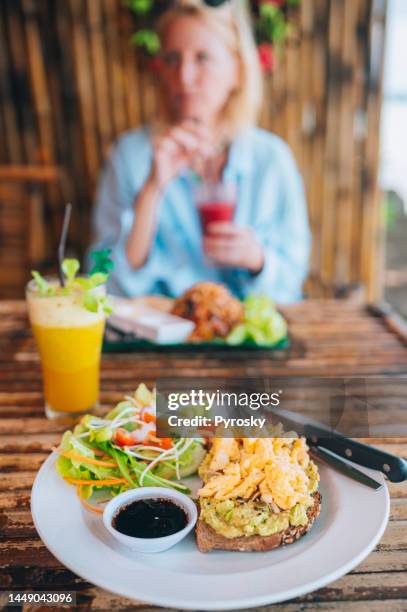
[148, 418]
[85, 503]
[97, 483]
[165, 443]
[83, 459]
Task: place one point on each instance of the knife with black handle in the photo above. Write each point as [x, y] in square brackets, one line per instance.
[395, 468]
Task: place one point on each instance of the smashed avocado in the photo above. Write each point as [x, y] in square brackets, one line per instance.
[234, 518]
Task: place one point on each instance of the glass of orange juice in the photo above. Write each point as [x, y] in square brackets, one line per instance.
[69, 339]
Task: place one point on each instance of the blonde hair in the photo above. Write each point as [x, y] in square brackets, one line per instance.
[233, 24]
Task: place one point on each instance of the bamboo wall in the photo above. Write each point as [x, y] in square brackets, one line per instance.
[70, 83]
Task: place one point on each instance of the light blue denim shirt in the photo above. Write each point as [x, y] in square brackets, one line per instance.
[270, 200]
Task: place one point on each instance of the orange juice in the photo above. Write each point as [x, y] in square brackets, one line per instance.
[69, 340]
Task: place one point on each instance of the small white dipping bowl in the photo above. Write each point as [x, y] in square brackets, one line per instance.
[149, 545]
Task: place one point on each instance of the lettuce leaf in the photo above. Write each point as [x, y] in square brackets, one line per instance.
[190, 460]
[262, 323]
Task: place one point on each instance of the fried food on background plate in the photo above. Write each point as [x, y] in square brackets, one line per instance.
[213, 309]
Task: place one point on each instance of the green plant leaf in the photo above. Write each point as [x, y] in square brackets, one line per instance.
[269, 11]
[70, 268]
[279, 31]
[147, 39]
[140, 7]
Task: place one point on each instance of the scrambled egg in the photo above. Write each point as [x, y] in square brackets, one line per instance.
[276, 471]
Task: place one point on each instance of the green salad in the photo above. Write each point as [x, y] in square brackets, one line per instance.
[121, 451]
[263, 324]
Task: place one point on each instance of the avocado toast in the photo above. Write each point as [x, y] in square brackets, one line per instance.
[258, 494]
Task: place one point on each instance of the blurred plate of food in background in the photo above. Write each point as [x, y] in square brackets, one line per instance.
[206, 316]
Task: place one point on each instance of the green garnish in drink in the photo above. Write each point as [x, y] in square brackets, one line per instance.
[97, 277]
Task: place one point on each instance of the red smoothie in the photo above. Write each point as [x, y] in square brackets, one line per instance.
[215, 211]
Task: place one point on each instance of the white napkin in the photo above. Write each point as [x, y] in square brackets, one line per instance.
[149, 323]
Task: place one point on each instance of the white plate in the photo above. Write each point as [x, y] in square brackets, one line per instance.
[352, 521]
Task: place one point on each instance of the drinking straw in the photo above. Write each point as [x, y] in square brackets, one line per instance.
[62, 242]
[209, 165]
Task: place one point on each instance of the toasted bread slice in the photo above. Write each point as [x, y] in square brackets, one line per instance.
[208, 539]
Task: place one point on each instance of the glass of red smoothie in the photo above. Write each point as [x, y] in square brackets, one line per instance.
[216, 202]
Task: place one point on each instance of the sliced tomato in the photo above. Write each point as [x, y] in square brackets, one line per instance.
[123, 438]
[164, 443]
[148, 418]
[147, 442]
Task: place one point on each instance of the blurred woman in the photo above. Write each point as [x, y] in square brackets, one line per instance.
[209, 91]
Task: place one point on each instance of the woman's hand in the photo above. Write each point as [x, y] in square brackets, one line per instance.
[181, 146]
[236, 247]
[184, 145]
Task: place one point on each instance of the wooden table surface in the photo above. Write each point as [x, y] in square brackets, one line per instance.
[329, 338]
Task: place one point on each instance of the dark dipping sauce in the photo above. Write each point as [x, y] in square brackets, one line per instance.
[150, 518]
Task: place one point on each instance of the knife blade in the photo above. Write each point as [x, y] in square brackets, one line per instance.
[343, 467]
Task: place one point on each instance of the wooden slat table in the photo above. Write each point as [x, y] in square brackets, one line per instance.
[329, 338]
